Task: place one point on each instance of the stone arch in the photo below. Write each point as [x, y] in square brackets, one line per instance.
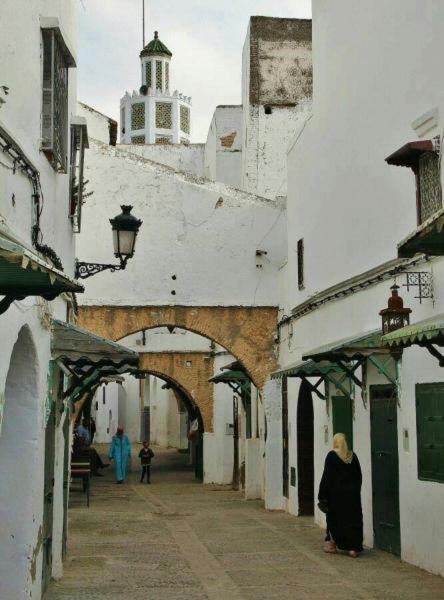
[190, 372]
[248, 333]
[21, 476]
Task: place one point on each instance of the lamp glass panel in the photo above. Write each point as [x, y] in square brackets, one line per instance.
[125, 242]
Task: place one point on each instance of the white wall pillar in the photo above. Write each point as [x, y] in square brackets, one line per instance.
[272, 399]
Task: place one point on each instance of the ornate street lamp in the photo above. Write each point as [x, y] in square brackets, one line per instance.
[395, 315]
[125, 228]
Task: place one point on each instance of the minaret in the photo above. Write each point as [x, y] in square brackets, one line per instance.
[154, 115]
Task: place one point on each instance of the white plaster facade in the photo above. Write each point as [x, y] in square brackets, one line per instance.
[351, 209]
[25, 396]
[204, 233]
[223, 149]
[276, 99]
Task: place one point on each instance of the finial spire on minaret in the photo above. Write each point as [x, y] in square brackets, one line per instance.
[143, 22]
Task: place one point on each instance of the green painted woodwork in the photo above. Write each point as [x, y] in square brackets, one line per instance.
[156, 47]
[348, 348]
[383, 367]
[430, 431]
[343, 417]
[307, 368]
[426, 239]
[429, 331]
[23, 273]
[385, 469]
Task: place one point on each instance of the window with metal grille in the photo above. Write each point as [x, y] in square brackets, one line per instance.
[79, 141]
[138, 139]
[185, 119]
[430, 431]
[164, 115]
[167, 76]
[138, 116]
[159, 75]
[300, 250]
[164, 139]
[429, 183]
[55, 101]
[148, 74]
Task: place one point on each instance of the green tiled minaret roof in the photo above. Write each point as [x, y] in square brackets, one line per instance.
[155, 47]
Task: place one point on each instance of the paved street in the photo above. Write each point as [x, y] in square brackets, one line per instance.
[177, 539]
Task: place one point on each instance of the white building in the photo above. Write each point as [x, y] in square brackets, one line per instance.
[347, 211]
[41, 155]
[276, 99]
[223, 149]
[154, 115]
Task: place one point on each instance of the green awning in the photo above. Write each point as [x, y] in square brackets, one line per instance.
[357, 346]
[88, 358]
[428, 238]
[423, 333]
[230, 377]
[307, 368]
[23, 273]
[78, 348]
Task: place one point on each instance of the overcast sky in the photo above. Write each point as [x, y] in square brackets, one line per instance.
[205, 36]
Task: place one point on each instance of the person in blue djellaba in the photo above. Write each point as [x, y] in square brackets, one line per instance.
[120, 452]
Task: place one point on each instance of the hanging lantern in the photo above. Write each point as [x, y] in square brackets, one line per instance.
[395, 315]
[125, 229]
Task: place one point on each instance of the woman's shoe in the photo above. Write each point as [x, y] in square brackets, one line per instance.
[353, 554]
[330, 548]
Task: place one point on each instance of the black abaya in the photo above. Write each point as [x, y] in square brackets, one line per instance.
[340, 488]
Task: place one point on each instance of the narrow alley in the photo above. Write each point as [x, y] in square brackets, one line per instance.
[178, 539]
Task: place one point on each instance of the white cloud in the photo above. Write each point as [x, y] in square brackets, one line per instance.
[205, 36]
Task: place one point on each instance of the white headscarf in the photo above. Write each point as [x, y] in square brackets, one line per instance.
[340, 446]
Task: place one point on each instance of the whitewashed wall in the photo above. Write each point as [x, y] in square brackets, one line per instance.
[180, 157]
[105, 410]
[276, 72]
[20, 115]
[205, 234]
[98, 123]
[223, 149]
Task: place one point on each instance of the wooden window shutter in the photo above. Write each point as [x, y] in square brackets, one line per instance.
[48, 91]
[430, 431]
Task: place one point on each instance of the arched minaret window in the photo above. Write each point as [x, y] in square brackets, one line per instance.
[148, 74]
[159, 85]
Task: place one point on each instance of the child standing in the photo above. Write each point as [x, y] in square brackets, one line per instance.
[145, 455]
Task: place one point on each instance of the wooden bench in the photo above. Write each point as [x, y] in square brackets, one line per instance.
[81, 469]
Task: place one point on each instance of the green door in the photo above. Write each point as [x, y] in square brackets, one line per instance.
[385, 470]
[343, 418]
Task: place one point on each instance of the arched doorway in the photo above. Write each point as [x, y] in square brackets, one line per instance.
[21, 474]
[196, 436]
[305, 445]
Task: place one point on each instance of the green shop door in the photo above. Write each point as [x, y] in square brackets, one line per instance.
[343, 417]
[385, 470]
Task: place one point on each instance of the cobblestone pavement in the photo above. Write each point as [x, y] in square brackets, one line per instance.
[179, 540]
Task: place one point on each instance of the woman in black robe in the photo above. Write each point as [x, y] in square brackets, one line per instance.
[340, 498]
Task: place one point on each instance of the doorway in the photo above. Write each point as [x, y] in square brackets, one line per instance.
[385, 469]
[20, 449]
[343, 417]
[305, 445]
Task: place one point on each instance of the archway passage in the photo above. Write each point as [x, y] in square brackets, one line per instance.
[305, 444]
[20, 474]
[190, 372]
[246, 332]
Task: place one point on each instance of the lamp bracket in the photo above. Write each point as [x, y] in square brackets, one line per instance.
[84, 270]
[423, 280]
